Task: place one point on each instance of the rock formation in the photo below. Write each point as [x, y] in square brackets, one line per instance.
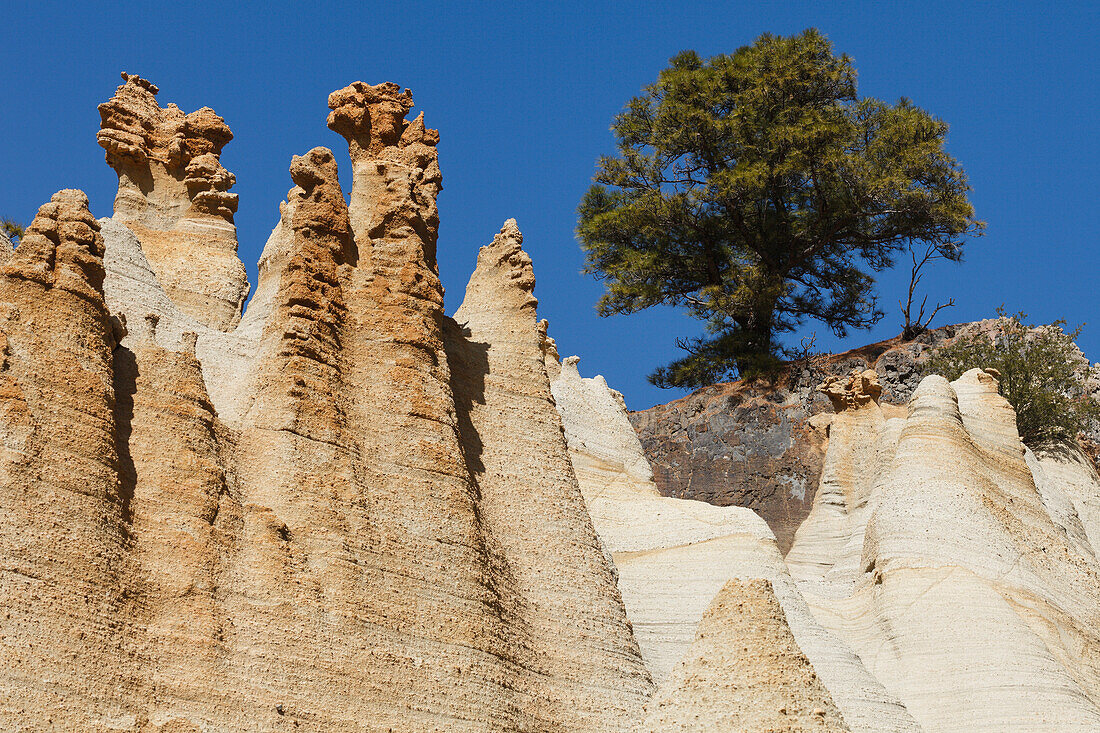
[6, 248]
[64, 570]
[945, 579]
[674, 556]
[298, 518]
[173, 193]
[344, 510]
[744, 672]
[964, 581]
[762, 445]
[512, 434]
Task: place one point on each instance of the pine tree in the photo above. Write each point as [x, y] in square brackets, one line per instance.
[758, 190]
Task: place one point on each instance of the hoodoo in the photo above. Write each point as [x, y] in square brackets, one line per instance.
[173, 193]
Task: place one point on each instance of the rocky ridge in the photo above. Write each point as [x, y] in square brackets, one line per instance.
[299, 516]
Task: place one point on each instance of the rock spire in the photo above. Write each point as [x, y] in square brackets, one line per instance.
[173, 193]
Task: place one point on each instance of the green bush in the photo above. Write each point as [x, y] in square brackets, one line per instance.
[1038, 375]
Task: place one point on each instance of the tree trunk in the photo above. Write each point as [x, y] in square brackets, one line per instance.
[754, 355]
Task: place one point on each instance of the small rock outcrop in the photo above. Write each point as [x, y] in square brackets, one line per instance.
[744, 672]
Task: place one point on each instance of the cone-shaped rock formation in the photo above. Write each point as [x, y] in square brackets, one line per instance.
[568, 614]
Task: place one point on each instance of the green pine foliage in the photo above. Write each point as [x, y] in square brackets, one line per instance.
[1038, 375]
[757, 190]
[12, 229]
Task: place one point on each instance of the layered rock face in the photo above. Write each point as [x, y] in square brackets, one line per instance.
[173, 193]
[301, 520]
[344, 510]
[513, 441]
[954, 563]
[64, 569]
[750, 657]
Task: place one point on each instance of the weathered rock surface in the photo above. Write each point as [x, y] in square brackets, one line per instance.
[291, 521]
[572, 617]
[6, 248]
[744, 672]
[173, 193]
[762, 445]
[64, 570]
[964, 580]
[675, 555]
[1069, 484]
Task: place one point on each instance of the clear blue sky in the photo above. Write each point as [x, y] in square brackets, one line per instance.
[523, 95]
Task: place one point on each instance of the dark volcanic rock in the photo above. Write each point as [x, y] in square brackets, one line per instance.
[730, 445]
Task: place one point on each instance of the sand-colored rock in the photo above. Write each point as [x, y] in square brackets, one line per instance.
[744, 672]
[674, 556]
[183, 518]
[976, 597]
[173, 193]
[1070, 486]
[568, 611]
[345, 511]
[829, 543]
[430, 561]
[63, 567]
[280, 523]
[6, 248]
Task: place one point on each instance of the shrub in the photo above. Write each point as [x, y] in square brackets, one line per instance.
[1039, 375]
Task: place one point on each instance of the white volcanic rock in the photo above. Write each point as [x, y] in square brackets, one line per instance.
[1070, 475]
[829, 543]
[674, 556]
[976, 600]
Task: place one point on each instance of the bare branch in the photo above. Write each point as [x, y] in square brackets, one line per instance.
[912, 326]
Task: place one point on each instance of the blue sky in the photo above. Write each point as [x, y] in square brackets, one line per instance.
[523, 96]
